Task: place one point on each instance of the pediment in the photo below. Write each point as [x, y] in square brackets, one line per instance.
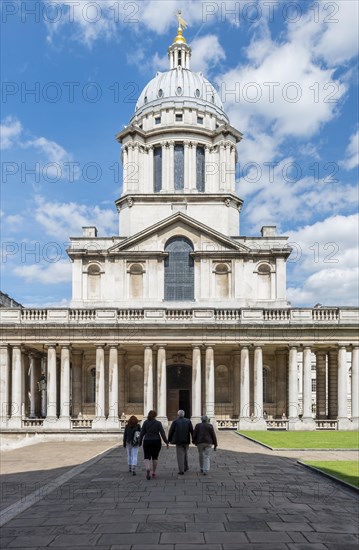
[153, 238]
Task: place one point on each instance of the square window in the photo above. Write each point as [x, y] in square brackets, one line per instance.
[179, 117]
[158, 120]
[200, 120]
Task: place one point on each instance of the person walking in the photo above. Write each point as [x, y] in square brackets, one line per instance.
[204, 437]
[131, 442]
[180, 431]
[151, 433]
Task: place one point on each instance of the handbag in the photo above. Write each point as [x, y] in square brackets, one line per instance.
[136, 438]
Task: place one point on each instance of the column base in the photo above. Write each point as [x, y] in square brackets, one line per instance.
[113, 423]
[345, 424]
[163, 420]
[63, 423]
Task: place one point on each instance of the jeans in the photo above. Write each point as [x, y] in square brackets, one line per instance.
[182, 457]
[132, 453]
[204, 451]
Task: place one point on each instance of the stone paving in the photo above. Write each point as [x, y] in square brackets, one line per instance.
[252, 499]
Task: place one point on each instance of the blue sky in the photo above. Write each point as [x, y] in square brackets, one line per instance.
[287, 73]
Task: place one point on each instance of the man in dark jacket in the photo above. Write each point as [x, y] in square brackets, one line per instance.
[180, 431]
[204, 437]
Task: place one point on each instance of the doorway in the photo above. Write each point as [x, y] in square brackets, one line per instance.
[179, 380]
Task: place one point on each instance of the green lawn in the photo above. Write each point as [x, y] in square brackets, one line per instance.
[306, 440]
[347, 470]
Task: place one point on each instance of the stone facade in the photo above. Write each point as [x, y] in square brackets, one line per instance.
[179, 310]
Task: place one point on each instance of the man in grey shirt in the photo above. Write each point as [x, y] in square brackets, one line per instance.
[179, 434]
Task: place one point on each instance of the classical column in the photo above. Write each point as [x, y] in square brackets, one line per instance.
[150, 178]
[162, 385]
[33, 387]
[4, 383]
[281, 382]
[354, 387]
[76, 382]
[121, 381]
[196, 384]
[148, 380]
[333, 384]
[100, 420]
[259, 422]
[307, 418]
[187, 160]
[113, 420]
[343, 421]
[321, 381]
[236, 382]
[65, 387]
[171, 166]
[16, 388]
[51, 409]
[244, 389]
[209, 384]
[293, 423]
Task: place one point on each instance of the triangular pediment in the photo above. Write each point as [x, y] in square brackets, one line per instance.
[182, 224]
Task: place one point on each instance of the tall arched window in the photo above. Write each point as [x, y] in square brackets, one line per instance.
[157, 169]
[179, 166]
[179, 270]
[200, 169]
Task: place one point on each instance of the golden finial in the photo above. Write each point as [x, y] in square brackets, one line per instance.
[180, 39]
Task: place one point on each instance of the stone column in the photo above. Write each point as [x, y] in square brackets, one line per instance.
[150, 184]
[236, 382]
[64, 420]
[148, 380]
[33, 387]
[244, 417]
[321, 378]
[293, 418]
[113, 420]
[171, 166]
[281, 382]
[162, 385]
[209, 384]
[354, 387]
[121, 381]
[187, 160]
[343, 421]
[16, 388]
[100, 420]
[333, 385]
[51, 409]
[259, 422]
[4, 383]
[76, 356]
[196, 385]
[307, 418]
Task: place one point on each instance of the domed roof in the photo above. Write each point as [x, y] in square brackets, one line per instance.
[180, 85]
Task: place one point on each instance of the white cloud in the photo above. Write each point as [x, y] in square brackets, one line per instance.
[10, 130]
[352, 153]
[207, 52]
[50, 273]
[62, 220]
[325, 262]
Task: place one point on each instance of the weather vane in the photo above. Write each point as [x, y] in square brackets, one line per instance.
[181, 22]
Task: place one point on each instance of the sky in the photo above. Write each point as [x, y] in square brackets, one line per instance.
[287, 74]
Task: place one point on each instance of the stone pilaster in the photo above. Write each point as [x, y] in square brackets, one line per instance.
[244, 417]
[343, 421]
[64, 420]
[258, 422]
[236, 382]
[209, 384]
[51, 405]
[113, 419]
[293, 419]
[148, 380]
[100, 419]
[321, 378]
[307, 418]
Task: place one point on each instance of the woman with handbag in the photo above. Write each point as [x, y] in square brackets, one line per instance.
[131, 442]
[151, 433]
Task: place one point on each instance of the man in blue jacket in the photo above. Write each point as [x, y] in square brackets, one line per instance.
[180, 435]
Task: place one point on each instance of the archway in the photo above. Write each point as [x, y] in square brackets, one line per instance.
[179, 390]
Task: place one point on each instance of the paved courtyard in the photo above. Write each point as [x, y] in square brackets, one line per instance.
[67, 495]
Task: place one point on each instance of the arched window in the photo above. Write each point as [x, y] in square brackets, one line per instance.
[157, 169]
[222, 384]
[135, 393]
[200, 169]
[93, 282]
[179, 167]
[179, 270]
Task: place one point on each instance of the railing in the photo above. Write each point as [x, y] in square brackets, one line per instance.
[33, 314]
[130, 314]
[81, 423]
[277, 424]
[82, 315]
[227, 314]
[325, 314]
[276, 314]
[326, 425]
[228, 424]
[179, 314]
[32, 422]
